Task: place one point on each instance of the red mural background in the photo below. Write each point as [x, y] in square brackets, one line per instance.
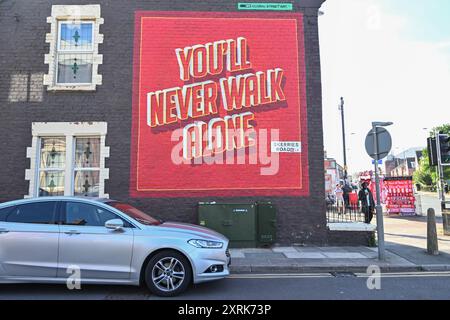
[274, 40]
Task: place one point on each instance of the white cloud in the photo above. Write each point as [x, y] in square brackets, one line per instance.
[383, 76]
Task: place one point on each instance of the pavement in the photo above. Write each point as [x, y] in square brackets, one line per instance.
[317, 259]
[399, 258]
[406, 243]
[407, 237]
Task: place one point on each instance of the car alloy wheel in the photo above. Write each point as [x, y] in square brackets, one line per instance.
[168, 274]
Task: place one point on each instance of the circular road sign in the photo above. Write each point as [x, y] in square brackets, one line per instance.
[384, 143]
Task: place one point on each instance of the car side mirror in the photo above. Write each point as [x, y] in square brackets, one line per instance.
[114, 224]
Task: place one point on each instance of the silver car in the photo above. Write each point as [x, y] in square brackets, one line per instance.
[108, 242]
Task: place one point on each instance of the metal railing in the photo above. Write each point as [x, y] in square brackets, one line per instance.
[350, 213]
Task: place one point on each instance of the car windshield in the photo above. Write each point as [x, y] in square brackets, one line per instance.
[134, 213]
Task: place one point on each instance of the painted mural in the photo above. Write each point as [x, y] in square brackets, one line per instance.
[219, 105]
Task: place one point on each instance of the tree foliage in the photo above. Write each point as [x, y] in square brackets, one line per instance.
[426, 175]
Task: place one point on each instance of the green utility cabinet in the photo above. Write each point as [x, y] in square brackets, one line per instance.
[246, 225]
[266, 223]
[235, 221]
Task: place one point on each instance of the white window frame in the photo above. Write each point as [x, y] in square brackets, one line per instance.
[70, 130]
[60, 51]
[74, 168]
[76, 14]
[38, 161]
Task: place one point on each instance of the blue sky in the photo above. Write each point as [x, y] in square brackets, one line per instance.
[430, 17]
[390, 60]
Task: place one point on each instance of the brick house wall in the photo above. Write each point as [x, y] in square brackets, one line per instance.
[24, 99]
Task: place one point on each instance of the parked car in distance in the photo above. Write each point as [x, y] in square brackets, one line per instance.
[111, 242]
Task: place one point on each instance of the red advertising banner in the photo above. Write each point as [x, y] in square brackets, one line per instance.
[400, 197]
[219, 105]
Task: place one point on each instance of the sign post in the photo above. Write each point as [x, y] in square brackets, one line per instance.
[378, 146]
[440, 173]
[442, 150]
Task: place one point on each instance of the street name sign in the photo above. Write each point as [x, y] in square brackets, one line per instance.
[265, 6]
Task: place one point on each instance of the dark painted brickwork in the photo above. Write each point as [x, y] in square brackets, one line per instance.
[351, 238]
[22, 47]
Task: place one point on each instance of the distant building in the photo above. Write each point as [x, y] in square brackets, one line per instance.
[390, 164]
[403, 164]
[334, 173]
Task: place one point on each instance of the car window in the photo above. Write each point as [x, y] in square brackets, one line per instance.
[4, 212]
[36, 212]
[83, 214]
[134, 213]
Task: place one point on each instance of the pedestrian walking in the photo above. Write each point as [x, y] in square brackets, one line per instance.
[367, 202]
[339, 196]
[347, 190]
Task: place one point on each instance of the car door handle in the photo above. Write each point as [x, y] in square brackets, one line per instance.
[71, 232]
[3, 230]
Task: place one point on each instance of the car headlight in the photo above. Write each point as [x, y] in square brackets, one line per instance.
[198, 243]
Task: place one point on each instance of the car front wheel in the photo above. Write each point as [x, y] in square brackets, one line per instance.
[168, 273]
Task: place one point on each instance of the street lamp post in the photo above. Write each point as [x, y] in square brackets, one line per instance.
[378, 208]
[341, 108]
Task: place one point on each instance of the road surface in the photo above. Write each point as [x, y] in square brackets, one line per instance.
[262, 287]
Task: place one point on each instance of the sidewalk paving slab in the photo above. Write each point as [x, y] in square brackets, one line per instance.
[305, 255]
[370, 254]
[332, 249]
[285, 249]
[307, 249]
[266, 255]
[344, 255]
[359, 249]
[255, 250]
